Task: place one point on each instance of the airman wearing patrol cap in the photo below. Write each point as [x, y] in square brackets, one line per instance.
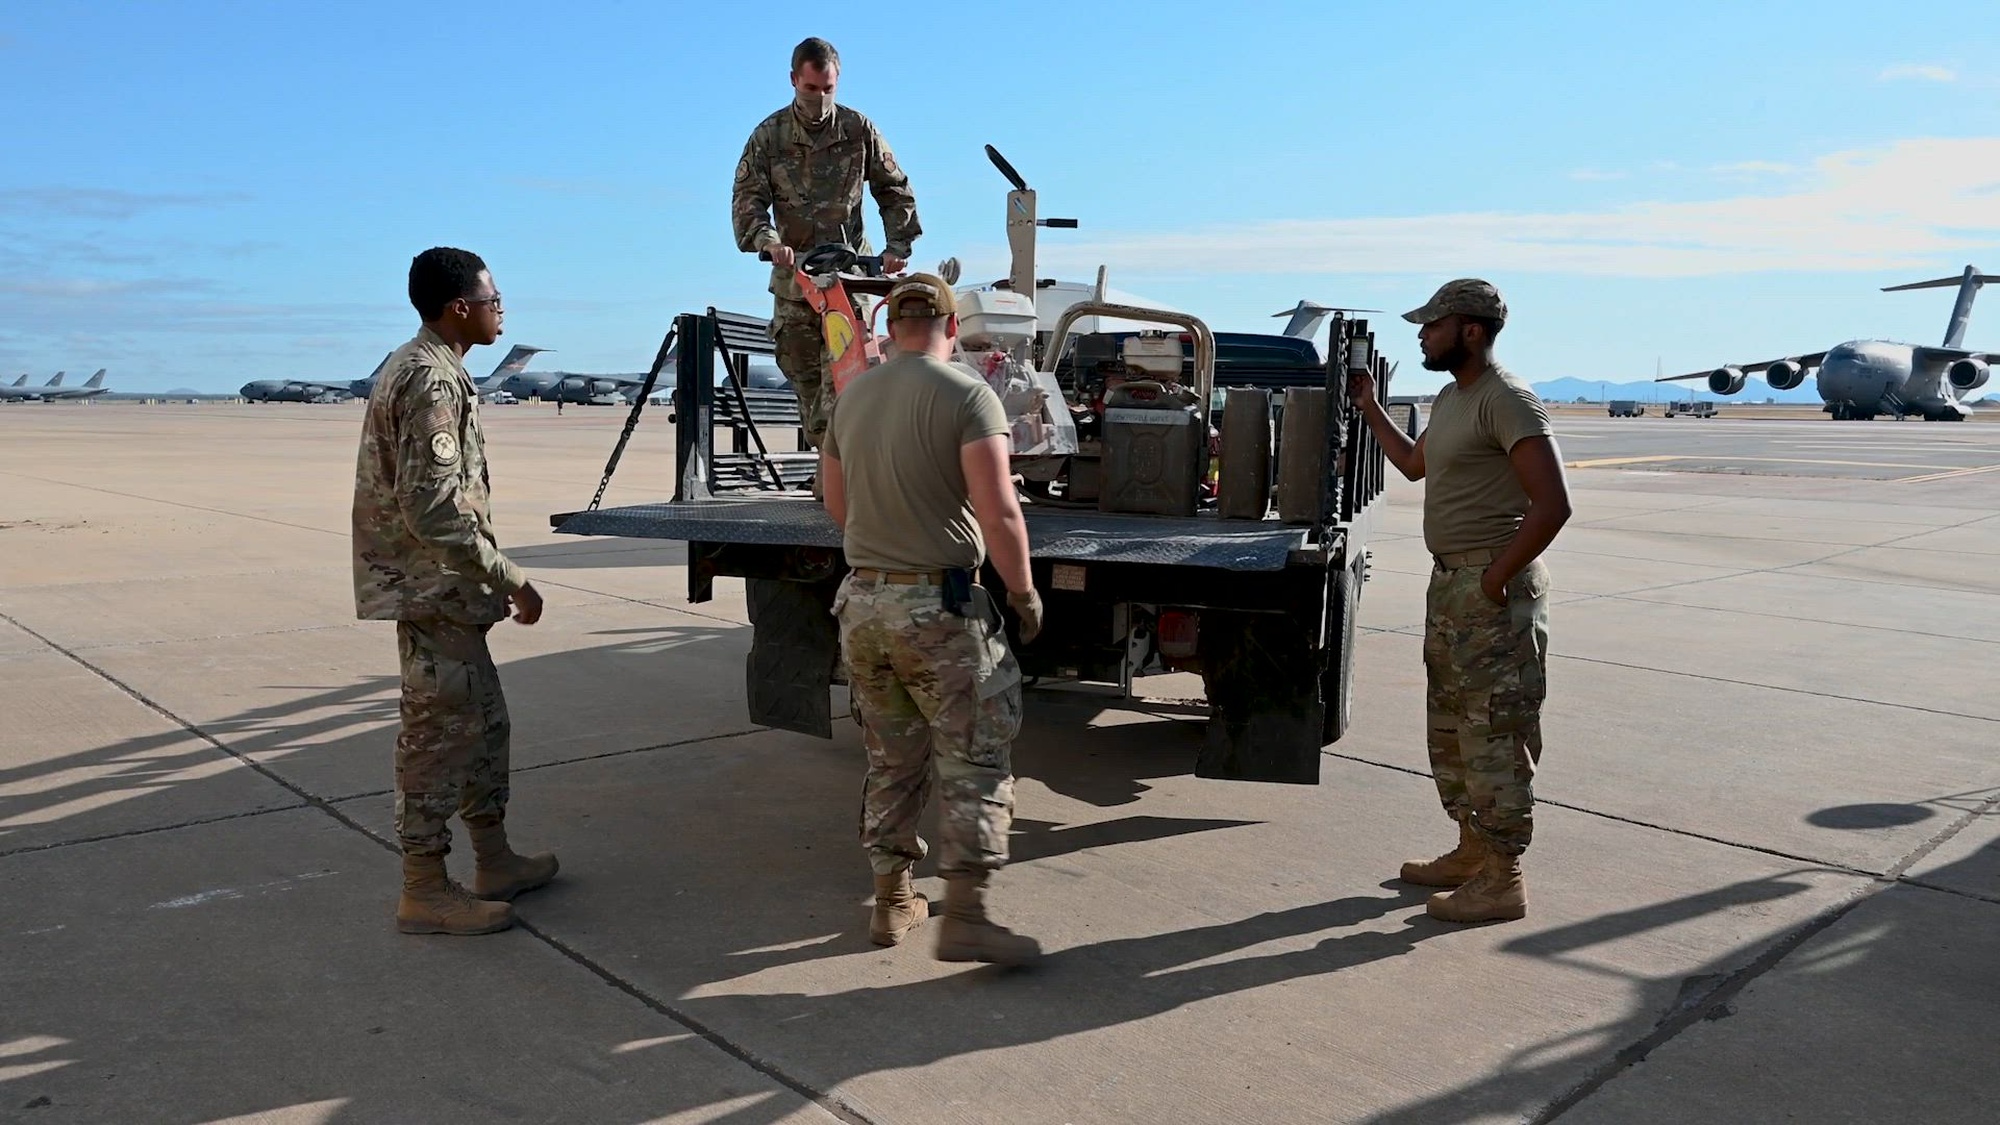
[1494, 499]
[425, 557]
[916, 472]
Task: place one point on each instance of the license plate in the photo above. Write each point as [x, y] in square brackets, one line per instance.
[1067, 577]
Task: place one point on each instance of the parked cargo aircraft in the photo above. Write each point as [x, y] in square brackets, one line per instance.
[1862, 378]
[53, 389]
[516, 361]
[91, 388]
[571, 386]
[20, 391]
[293, 390]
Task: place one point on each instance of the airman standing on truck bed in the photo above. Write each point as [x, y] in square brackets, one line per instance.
[1494, 500]
[917, 478]
[426, 558]
[798, 185]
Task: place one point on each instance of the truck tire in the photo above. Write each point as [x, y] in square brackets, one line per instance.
[1336, 659]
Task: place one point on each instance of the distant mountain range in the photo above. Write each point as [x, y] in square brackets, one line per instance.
[1592, 390]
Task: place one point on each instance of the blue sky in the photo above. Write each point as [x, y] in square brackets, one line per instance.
[196, 194]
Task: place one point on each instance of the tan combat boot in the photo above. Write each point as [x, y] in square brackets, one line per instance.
[1452, 868]
[501, 873]
[1496, 894]
[433, 904]
[967, 934]
[898, 908]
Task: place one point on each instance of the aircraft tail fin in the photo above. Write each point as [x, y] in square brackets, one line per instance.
[1308, 315]
[515, 363]
[22, 381]
[57, 381]
[1968, 284]
[97, 380]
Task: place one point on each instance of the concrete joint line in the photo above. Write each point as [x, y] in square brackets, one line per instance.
[307, 798]
[633, 601]
[770, 1069]
[175, 504]
[676, 745]
[128, 834]
[1695, 1009]
[828, 1102]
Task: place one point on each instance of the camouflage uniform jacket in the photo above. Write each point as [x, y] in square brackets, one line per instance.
[423, 536]
[810, 183]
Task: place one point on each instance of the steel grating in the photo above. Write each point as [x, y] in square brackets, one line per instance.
[1071, 536]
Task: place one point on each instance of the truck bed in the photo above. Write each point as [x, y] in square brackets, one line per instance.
[1053, 534]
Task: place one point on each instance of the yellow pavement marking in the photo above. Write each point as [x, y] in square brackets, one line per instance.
[1603, 461]
[1817, 461]
[1946, 476]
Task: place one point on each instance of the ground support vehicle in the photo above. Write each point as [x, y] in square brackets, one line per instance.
[1115, 454]
[1693, 408]
[1263, 609]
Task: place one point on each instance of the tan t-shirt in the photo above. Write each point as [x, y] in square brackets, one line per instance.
[1472, 499]
[896, 431]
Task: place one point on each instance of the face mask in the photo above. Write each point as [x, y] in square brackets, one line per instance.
[814, 107]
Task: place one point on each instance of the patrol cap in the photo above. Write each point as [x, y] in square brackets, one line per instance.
[1467, 296]
[921, 296]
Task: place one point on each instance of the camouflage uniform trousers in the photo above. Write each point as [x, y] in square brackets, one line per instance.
[933, 690]
[803, 357]
[1487, 668]
[452, 751]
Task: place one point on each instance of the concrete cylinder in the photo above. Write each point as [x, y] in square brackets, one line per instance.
[1301, 454]
[1245, 488]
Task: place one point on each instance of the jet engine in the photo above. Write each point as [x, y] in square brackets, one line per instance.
[1784, 374]
[1725, 380]
[1967, 374]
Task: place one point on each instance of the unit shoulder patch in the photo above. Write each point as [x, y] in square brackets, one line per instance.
[444, 448]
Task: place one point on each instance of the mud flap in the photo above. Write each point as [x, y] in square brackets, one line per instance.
[794, 641]
[1265, 715]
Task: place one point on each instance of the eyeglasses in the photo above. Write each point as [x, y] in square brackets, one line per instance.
[494, 300]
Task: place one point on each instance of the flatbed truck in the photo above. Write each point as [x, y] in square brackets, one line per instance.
[1262, 607]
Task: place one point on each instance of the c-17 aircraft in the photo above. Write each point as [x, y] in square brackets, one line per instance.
[515, 362]
[578, 388]
[1862, 378]
[293, 390]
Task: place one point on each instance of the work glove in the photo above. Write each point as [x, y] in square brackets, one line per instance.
[1029, 607]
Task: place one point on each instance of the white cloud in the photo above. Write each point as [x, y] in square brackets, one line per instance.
[1919, 73]
[102, 203]
[1756, 168]
[1903, 206]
